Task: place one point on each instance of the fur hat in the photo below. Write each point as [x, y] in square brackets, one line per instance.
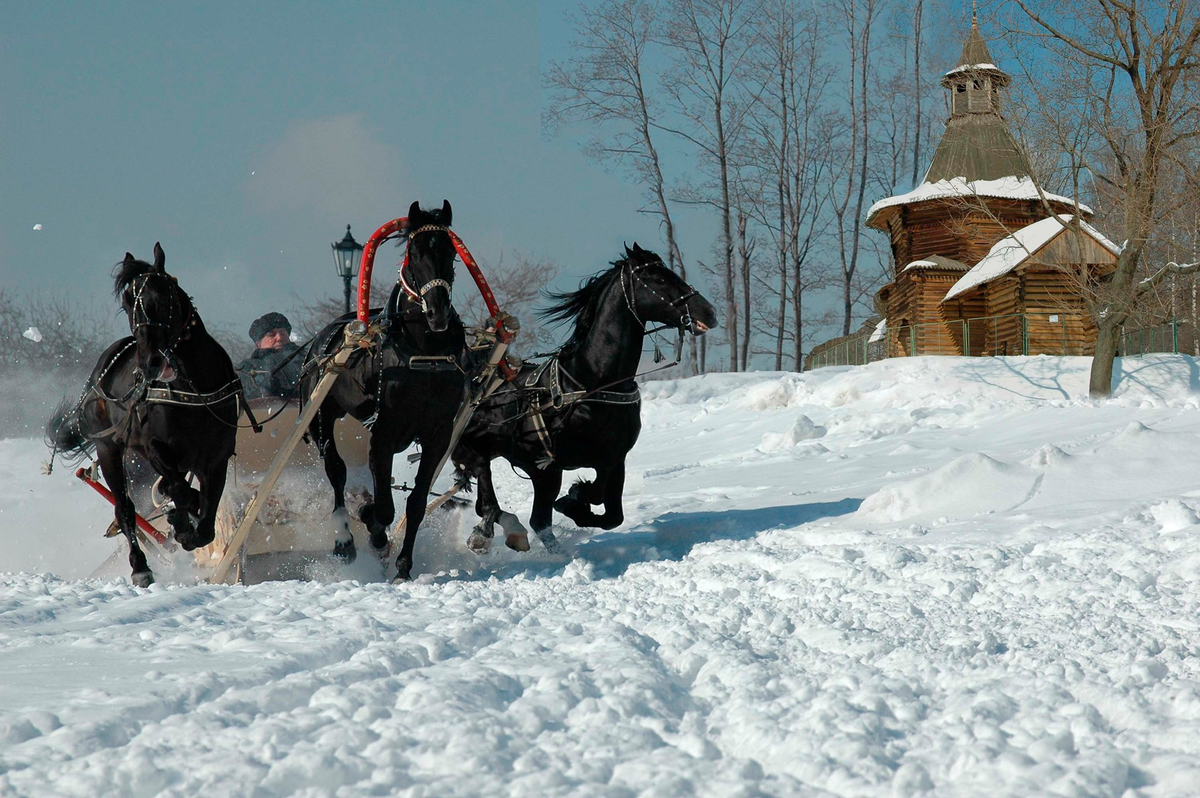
[271, 321]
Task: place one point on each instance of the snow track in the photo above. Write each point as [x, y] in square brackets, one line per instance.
[982, 584]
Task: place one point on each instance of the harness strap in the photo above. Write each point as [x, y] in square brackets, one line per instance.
[562, 400]
[172, 396]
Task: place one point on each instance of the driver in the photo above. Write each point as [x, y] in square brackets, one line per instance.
[273, 368]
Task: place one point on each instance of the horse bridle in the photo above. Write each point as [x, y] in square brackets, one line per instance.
[685, 321]
[418, 296]
[139, 317]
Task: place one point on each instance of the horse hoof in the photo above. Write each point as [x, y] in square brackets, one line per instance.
[479, 542]
[403, 571]
[517, 541]
[142, 579]
[548, 540]
[570, 507]
[345, 551]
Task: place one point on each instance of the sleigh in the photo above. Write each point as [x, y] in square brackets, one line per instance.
[273, 518]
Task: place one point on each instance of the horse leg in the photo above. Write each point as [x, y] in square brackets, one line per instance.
[184, 498]
[379, 513]
[212, 485]
[487, 507]
[335, 471]
[609, 485]
[587, 491]
[112, 466]
[614, 490]
[433, 447]
[546, 484]
[480, 539]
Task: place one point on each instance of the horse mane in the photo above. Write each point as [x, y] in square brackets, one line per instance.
[581, 305]
[126, 272]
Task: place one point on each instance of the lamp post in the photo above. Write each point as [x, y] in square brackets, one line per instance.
[345, 259]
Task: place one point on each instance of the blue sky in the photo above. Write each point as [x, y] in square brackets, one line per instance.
[245, 136]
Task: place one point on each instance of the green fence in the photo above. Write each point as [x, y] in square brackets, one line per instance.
[852, 352]
[1147, 340]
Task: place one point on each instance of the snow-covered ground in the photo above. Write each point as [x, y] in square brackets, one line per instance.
[959, 577]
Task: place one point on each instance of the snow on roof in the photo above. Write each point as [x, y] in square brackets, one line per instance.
[937, 262]
[1010, 251]
[973, 68]
[879, 333]
[1021, 188]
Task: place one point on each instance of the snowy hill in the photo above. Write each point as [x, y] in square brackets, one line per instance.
[931, 575]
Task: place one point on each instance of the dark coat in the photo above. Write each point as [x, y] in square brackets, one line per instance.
[265, 374]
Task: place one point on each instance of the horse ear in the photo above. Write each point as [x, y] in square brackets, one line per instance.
[129, 258]
[160, 257]
[628, 252]
[414, 209]
[446, 212]
[636, 249]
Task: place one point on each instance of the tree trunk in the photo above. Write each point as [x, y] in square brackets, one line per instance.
[1100, 381]
[797, 345]
[744, 253]
[917, 89]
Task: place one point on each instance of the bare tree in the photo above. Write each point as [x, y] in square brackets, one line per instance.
[517, 283]
[858, 18]
[605, 85]
[710, 42]
[788, 154]
[1142, 66]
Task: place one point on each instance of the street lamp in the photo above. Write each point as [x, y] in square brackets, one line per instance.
[345, 259]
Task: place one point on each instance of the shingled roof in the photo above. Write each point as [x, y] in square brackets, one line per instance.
[977, 144]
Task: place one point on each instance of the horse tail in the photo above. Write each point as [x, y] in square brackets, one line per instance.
[63, 434]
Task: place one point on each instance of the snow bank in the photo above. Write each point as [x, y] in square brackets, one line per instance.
[924, 576]
[970, 485]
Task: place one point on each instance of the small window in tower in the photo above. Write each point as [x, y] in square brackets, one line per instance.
[960, 87]
[978, 85]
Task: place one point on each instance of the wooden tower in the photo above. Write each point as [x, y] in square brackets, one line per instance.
[957, 286]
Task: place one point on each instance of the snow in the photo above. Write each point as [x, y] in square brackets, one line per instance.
[1012, 187]
[973, 68]
[920, 264]
[1011, 251]
[929, 575]
[33, 334]
[37, 227]
[879, 332]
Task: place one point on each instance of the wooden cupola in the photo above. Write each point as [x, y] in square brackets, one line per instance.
[976, 144]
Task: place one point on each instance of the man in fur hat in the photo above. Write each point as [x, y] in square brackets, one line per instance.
[273, 369]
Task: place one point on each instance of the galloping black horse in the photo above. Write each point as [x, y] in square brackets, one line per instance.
[407, 387]
[167, 393]
[581, 408]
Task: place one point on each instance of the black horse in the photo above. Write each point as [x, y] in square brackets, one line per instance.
[407, 386]
[581, 408]
[168, 394]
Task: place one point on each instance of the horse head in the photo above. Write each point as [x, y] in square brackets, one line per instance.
[427, 274]
[654, 293]
[159, 312]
